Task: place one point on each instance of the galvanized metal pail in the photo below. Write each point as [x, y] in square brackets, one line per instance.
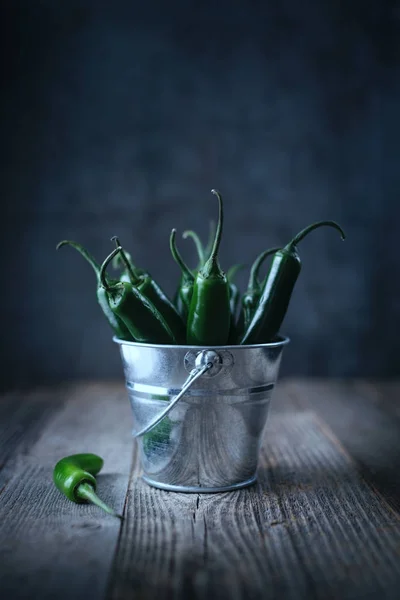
[199, 413]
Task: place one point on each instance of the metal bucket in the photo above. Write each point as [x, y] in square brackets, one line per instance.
[200, 413]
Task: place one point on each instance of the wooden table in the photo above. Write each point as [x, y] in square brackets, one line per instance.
[322, 522]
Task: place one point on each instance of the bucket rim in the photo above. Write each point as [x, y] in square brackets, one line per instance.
[282, 340]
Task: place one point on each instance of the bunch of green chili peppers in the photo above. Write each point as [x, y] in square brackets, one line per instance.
[208, 308]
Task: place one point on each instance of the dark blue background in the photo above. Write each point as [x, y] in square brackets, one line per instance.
[118, 118]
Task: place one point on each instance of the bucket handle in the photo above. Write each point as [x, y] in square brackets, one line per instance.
[204, 362]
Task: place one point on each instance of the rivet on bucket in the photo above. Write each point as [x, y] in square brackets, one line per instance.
[200, 413]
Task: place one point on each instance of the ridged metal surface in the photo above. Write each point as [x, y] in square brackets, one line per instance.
[210, 439]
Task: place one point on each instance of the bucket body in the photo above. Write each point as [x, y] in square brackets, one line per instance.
[210, 440]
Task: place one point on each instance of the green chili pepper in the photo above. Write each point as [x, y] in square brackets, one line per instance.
[140, 316]
[209, 314]
[200, 252]
[254, 288]
[74, 477]
[234, 293]
[115, 322]
[234, 300]
[120, 262]
[278, 288]
[153, 292]
[185, 290]
[199, 246]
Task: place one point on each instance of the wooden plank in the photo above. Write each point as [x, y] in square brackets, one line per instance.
[364, 417]
[311, 528]
[385, 394]
[50, 547]
[22, 418]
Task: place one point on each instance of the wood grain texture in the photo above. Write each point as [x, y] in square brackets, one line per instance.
[318, 524]
[51, 547]
[23, 416]
[365, 417]
[311, 527]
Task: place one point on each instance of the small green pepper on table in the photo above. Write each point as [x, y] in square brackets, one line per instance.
[74, 476]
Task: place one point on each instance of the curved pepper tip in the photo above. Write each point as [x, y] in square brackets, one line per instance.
[103, 268]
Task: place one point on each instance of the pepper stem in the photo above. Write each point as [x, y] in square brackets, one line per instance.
[86, 492]
[132, 276]
[178, 258]
[218, 234]
[232, 271]
[90, 259]
[255, 269]
[103, 268]
[310, 228]
[197, 243]
[211, 235]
